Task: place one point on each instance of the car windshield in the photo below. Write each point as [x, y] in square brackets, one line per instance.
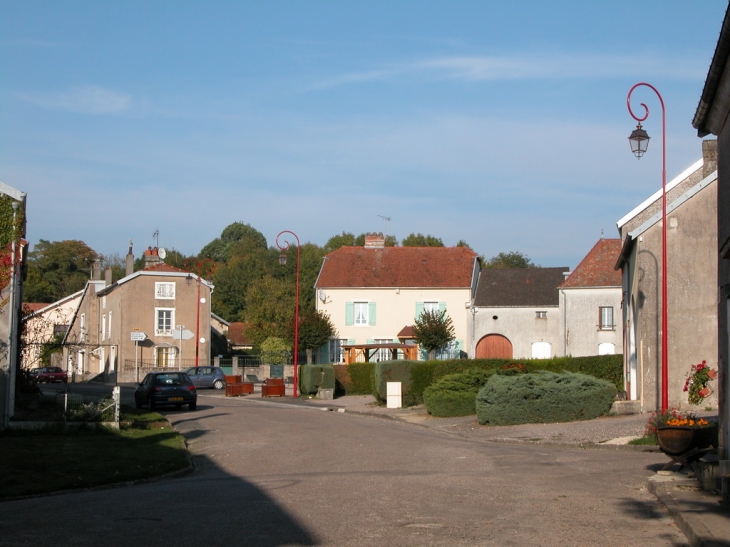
[169, 379]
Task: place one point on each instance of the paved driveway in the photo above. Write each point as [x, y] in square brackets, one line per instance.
[270, 474]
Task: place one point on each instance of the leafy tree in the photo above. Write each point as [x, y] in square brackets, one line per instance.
[433, 330]
[275, 351]
[512, 259]
[8, 230]
[348, 239]
[315, 330]
[235, 238]
[420, 240]
[270, 309]
[57, 269]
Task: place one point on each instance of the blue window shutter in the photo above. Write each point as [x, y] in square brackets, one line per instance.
[459, 348]
[370, 341]
[349, 313]
[350, 341]
[371, 313]
[419, 309]
[442, 307]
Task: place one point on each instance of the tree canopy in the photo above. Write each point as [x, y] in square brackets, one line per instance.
[57, 269]
[512, 259]
[420, 240]
[433, 330]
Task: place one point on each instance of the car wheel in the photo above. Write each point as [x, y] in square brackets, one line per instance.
[152, 404]
[219, 384]
[193, 406]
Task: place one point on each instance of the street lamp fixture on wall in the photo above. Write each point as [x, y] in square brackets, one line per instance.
[282, 261]
[639, 141]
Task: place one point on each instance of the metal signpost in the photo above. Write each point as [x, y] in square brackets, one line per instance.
[137, 336]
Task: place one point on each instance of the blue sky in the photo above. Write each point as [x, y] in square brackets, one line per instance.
[500, 123]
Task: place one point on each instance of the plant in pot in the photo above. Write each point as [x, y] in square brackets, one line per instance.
[680, 433]
[696, 385]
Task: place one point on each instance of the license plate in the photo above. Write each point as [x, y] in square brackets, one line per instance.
[176, 398]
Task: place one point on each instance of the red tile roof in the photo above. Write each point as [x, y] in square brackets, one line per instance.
[597, 268]
[162, 267]
[437, 267]
[238, 335]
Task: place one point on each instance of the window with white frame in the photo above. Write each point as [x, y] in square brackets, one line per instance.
[109, 330]
[383, 354]
[605, 318]
[336, 353]
[164, 321]
[165, 290]
[431, 307]
[82, 328]
[103, 327]
[540, 315]
[361, 313]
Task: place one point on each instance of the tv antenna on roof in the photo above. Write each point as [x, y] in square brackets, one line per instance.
[385, 223]
[156, 235]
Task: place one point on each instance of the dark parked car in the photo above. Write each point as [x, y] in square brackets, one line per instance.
[207, 377]
[166, 388]
[50, 374]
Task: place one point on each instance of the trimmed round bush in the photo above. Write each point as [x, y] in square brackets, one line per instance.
[455, 394]
[543, 397]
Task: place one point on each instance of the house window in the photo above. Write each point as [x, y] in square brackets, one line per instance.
[540, 315]
[382, 354]
[165, 291]
[164, 320]
[431, 307]
[165, 357]
[103, 327]
[110, 326]
[541, 350]
[82, 328]
[361, 313]
[336, 353]
[605, 317]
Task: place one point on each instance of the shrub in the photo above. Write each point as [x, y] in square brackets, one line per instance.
[455, 394]
[314, 377]
[543, 397]
[393, 371]
[354, 379]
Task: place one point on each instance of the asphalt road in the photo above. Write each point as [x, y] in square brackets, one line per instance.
[273, 474]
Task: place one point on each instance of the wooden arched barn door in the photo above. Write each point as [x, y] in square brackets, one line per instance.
[494, 346]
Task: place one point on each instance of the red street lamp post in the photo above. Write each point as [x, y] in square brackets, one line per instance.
[282, 261]
[639, 141]
[200, 265]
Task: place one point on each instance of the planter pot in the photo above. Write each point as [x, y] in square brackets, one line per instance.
[678, 440]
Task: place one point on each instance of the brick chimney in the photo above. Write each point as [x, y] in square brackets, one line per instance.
[96, 270]
[709, 157]
[374, 241]
[151, 257]
[108, 276]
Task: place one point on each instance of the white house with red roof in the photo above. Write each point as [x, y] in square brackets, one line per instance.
[373, 294]
[590, 303]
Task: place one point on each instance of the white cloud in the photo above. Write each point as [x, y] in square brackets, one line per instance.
[88, 99]
[554, 66]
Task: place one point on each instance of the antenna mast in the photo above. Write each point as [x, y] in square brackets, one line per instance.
[385, 223]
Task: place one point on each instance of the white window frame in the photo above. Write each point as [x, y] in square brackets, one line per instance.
[168, 354]
[431, 307]
[82, 328]
[165, 290]
[164, 332]
[541, 314]
[602, 324]
[336, 353]
[109, 329]
[360, 314]
[103, 327]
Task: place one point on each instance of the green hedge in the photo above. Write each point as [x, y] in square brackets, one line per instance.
[314, 377]
[455, 394]
[354, 379]
[543, 397]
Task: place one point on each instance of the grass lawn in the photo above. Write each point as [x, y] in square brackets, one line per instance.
[47, 461]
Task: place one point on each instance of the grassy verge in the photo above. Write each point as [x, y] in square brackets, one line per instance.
[646, 440]
[51, 460]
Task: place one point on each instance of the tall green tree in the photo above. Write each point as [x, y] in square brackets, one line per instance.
[270, 309]
[57, 269]
[512, 259]
[420, 240]
[315, 330]
[236, 238]
[433, 330]
[348, 239]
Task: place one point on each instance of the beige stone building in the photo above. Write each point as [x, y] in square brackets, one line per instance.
[373, 293]
[691, 284]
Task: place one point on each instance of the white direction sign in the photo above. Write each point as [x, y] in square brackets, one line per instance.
[138, 336]
[186, 334]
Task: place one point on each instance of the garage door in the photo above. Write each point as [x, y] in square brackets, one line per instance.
[494, 346]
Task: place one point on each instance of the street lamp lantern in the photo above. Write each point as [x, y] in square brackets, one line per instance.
[282, 261]
[639, 141]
